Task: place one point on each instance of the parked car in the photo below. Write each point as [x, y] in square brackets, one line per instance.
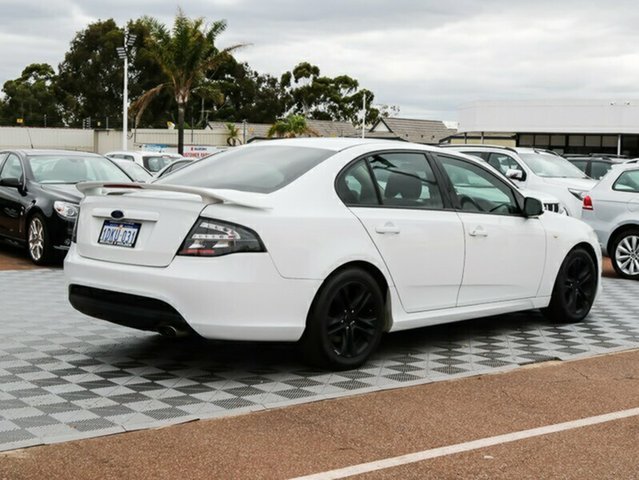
[536, 170]
[38, 198]
[152, 161]
[134, 170]
[612, 209]
[328, 241]
[550, 203]
[594, 167]
[173, 166]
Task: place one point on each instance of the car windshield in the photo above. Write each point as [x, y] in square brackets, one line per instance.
[155, 163]
[548, 165]
[260, 169]
[134, 170]
[60, 168]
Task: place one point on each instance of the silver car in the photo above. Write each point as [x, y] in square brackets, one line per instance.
[612, 210]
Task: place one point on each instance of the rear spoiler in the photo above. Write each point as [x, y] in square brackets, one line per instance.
[207, 195]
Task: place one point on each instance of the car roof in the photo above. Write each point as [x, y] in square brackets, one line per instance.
[335, 143]
[142, 152]
[480, 146]
[38, 151]
[624, 167]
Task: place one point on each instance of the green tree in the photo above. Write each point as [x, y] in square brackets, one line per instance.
[324, 98]
[187, 55]
[32, 97]
[291, 126]
[91, 76]
[249, 95]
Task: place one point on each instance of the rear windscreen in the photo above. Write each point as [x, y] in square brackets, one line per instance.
[260, 169]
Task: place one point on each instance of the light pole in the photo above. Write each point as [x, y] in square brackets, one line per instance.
[123, 53]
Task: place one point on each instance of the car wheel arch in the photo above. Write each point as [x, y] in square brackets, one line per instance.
[375, 272]
[588, 248]
[616, 233]
[34, 209]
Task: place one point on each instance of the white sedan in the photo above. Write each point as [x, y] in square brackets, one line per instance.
[331, 242]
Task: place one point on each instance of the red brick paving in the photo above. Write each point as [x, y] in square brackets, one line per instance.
[14, 258]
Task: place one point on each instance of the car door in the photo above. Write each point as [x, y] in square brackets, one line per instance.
[505, 251]
[11, 207]
[397, 197]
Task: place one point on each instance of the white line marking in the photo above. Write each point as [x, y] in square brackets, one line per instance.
[468, 446]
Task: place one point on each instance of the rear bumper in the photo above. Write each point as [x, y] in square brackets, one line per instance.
[234, 297]
[133, 311]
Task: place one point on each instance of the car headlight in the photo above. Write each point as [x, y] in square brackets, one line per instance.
[213, 238]
[579, 194]
[68, 211]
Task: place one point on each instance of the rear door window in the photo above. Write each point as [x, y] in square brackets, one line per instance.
[355, 186]
[627, 182]
[406, 180]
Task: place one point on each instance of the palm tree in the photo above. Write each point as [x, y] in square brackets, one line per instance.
[233, 134]
[291, 126]
[187, 55]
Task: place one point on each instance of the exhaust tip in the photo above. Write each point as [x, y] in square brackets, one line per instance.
[170, 331]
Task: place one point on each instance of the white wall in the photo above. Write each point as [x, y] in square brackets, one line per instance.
[551, 116]
[62, 138]
[102, 141]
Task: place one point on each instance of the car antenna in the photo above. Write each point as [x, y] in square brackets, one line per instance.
[30, 139]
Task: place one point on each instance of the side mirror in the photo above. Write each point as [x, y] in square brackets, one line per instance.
[515, 174]
[533, 207]
[11, 182]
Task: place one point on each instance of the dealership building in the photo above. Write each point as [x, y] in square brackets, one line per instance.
[566, 126]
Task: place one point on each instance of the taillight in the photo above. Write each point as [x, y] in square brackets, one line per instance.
[213, 238]
[587, 205]
[74, 235]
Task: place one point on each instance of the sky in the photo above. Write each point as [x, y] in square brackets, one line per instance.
[427, 57]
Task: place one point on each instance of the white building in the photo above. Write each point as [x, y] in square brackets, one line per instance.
[566, 126]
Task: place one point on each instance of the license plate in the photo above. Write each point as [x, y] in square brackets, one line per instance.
[119, 234]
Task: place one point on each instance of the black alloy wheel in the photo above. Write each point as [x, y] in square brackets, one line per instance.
[346, 321]
[575, 288]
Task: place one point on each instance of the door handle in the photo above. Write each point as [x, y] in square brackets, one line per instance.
[478, 232]
[387, 228]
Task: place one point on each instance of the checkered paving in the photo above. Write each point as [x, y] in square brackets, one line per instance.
[65, 376]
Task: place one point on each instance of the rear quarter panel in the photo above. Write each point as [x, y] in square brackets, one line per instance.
[309, 232]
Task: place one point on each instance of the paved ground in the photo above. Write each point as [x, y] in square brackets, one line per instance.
[65, 376]
[321, 436]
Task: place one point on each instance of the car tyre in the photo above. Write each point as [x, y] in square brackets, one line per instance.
[575, 288]
[624, 254]
[39, 246]
[346, 321]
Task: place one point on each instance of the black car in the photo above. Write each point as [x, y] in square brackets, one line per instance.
[38, 198]
[594, 167]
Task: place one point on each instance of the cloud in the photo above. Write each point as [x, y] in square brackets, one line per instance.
[428, 57]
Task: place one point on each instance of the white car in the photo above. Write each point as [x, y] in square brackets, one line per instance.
[550, 202]
[612, 210]
[151, 161]
[536, 170]
[328, 241]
